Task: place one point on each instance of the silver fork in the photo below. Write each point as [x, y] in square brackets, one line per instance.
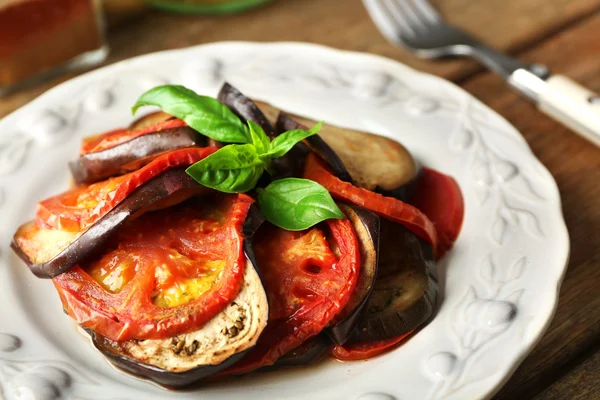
[417, 26]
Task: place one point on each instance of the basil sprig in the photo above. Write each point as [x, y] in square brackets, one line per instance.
[296, 204]
[204, 114]
[292, 203]
[235, 168]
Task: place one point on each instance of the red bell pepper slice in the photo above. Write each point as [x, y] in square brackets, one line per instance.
[104, 141]
[365, 350]
[77, 209]
[387, 207]
[439, 197]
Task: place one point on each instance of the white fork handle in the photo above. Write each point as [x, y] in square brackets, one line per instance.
[572, 104]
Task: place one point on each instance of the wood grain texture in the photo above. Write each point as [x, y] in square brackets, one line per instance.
[575, 164]
[581, 383]
[509, 25]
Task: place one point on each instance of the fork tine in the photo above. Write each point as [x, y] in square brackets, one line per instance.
[389, 25]
[406, 22]
[427, 10]
[405, 10]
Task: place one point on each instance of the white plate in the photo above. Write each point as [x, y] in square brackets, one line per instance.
[500, 281]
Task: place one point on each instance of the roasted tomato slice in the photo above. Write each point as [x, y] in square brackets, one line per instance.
[387, 207]
[440, 198]
[365, 350]
[309, 277]
[93, 144]
[164, 273]
[77, 209]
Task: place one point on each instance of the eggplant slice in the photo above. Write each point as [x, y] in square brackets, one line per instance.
[244, 108]
[310, 352]
[133, 154]
[366, 226]
[406, 289]
[366, 160]
[316, 144]
[50, 252]
[372, 162]
[189, 357]
[147, 120]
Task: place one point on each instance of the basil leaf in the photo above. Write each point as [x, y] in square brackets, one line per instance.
[235, 168]
[260, 140]
[284, 142]
[296, 204]
[204, 114]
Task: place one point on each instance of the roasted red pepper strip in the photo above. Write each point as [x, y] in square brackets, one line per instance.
[440, 198]
[387, 207]
[115, 137]
[306, 283]
[162, 274]
[365, 350]
[77, 209]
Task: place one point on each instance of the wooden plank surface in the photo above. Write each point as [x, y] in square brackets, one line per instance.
[565, 34]
[579, 383]
[506, 24]
[575, 164]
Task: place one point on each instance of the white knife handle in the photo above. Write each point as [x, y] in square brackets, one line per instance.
[575, 106]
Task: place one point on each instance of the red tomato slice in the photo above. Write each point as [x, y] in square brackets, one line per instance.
[365, 350]
[440, 198]
[77, 209]
[308, 281]
[115, 137]
[387, 207]
[162, 274]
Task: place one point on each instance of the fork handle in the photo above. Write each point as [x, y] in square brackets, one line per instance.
[572, 104]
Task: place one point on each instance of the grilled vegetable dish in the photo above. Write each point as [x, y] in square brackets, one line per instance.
[220, 235]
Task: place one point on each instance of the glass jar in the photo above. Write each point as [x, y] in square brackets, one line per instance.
[40, 38]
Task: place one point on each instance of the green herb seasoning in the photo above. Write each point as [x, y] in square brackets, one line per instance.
[292, 203]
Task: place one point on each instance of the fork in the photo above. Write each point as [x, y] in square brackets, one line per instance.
[417, 26]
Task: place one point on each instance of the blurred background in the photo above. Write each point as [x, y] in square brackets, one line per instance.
[36, 36]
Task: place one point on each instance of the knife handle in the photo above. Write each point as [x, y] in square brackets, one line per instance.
[572, 104]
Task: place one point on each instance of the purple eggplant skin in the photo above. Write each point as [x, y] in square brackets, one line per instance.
[177, 380]
[405, 294]
[170, 380]
[404, 192]
[126, 157]
[317, 145]
[367, 227]
[244, 108]
[254, 220]
[171, 182]
[310, 352]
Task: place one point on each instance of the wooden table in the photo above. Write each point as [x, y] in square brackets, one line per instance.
[564, 34]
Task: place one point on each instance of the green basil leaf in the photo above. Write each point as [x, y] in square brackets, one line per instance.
[296, 204]
[260, 140]
[284, 142]
[204, 114]
[235, 168]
